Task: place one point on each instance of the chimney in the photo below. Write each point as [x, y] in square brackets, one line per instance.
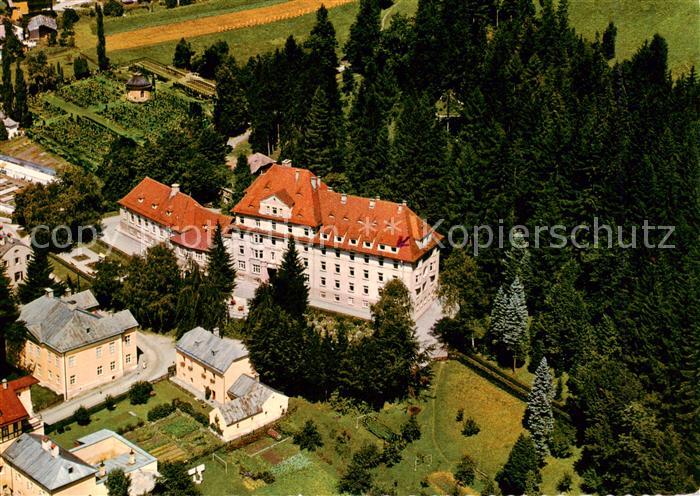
[132, 457]
[68, 292]
[372, 203]
[54, 450]
[48, 292]
[343, 199]
[402, 206]
[103, 469]
[216, 332]
[287, 162]
[174, 189]
[4, 383]
[296, 176]
[45, 443]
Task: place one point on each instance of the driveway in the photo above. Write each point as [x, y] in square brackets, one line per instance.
[424, 325]
[112, 236]
[157, 352]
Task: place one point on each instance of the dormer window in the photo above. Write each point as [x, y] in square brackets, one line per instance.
[168, 213]
[367, 244]
[353, 242]
[324, 237]
[154, 206]
[338, 239]
[140, 199]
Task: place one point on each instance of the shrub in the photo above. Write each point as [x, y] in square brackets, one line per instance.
[460, 415]
[113, 9]
[410, 431]
[391, 455]
[563, 436]
[160, 411]
[564, 484]
[308, 437]
[466, 468]
[110, 404]
[266, 476]
[140, 392]
[471, 428]
[82, 416]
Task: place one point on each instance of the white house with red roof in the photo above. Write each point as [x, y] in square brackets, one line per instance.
[154, 213]
[16, 411]
[351, 246]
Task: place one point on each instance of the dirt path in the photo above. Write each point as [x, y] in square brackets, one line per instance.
[217, 23]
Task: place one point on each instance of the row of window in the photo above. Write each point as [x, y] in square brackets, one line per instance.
[100, 369]
[350, 301]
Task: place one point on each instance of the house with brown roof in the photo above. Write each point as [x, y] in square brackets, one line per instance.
[350, 245]
[154, 213]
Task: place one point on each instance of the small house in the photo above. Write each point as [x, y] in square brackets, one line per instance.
[41, 26]
[138, 88]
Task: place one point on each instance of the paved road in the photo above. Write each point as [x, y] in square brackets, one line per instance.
[425, 324]
[70, 3]
[158, 352]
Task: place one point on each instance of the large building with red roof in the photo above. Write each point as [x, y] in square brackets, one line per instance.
[154, 213]
[351, 246]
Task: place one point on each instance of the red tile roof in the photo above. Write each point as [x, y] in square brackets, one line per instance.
[11, 408]
[175, 210]
[348, 216]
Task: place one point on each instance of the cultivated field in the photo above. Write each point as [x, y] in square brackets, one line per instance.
[216, 24]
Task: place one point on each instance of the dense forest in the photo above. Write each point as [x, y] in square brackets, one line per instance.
[497, 113]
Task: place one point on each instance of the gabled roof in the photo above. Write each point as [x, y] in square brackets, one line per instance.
[257, 161]
[27, 454]
[313, 204]
[11, 408]
[10, 242]
[84, 300]
[64, 327]
[171, 208]
[249, 397]
[214, 351]
[42, 21]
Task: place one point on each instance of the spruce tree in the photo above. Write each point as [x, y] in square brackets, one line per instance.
[364, 35]
[12, 332]
[102, 60]
[539, 419]
[21, 109]
[39, 278]
[3, 131]
[608, 45]
[218, 284]
[289, 284]
[189, 309]
[230, 104]
[319, 143]
[509, 320]
[522, 464]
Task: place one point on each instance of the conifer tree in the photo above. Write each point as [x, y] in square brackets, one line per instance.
[289, 284]
[510, 319]
[38, 278]
[608, 44]
[21, 109]
[523, 463]
[12, 333]
[190, 310]
[364, 35]
[218, 284]
[102, 60]
[539, 419]
[230, 104]
[107, 282]
[182, 58]
[3, 132]
[319, 143]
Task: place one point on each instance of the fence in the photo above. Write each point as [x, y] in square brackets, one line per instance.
[500, 379]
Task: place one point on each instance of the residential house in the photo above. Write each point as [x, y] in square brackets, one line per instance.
[41, 26]
[259, 163]
[350, 245]
[34, 465]
[16, 411]
[20, 8]
[73, 346]
[252, 405]
[154, 213]
[15, 256]
[209, 364]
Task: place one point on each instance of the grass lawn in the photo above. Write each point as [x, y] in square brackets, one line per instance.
[639, 20]
[63, 273]
[432, 458]
[125, 413]
[43, 397]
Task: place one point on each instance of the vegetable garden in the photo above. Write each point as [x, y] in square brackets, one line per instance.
[80, 120]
